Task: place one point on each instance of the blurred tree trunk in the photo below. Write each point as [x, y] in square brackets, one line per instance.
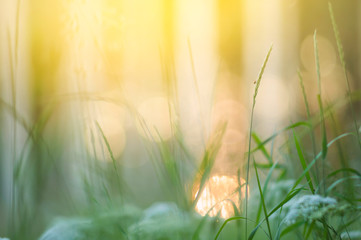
[46, 21]
[14, 106]
[230, 43]
[44, 48]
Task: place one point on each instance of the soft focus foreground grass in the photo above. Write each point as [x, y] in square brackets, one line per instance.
[310, 189]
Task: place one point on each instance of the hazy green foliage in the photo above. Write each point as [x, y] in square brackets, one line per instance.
[291, 198]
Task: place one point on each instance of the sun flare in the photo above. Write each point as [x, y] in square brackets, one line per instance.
[220, 195]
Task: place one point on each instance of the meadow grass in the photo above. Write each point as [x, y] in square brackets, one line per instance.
[288, 197]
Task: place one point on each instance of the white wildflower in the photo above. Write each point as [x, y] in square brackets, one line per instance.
[309, 208]
[67, 229]
[162, 221]
[160, 210]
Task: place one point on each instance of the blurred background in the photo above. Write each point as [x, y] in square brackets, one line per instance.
[75, 72]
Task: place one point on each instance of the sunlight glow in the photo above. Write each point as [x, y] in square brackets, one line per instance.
[220, 195]
[154, 121]
[110, 120]
[327, 55]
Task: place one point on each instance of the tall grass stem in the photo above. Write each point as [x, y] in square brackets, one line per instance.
[258, 82]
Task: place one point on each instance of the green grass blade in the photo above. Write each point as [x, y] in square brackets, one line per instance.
[263, 201]
[343, 156]
[119, 180]
[303, 162]
[351, 170]
[265, 186]
[333, 185]
[304, 94]
[268, 178]
[343, 62]
[225, 223]
[234, 219]
[107, 145]
[260, 75]
[317, 157]
[319, 98]
[203, 221]
[269, 166]
[349, 223]
[310, 230]
[289, 196]
[251, 126]
[317, 61]
[292, 227]
[258, 141]
[290, 127]
[312, 134]
[208, 162]
[323, 126]
[254, 231]
[337, 36]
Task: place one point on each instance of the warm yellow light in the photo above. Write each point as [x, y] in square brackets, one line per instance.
[229, 112]
[326, 51]
[218, 194]
[155, 119]
[110, 120]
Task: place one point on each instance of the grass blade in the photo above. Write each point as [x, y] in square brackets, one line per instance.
[263, 201]
[258, 140]
[340, 181]
[317, 157]
[343, 62]
[313, 138]
[292, 227]
[289, 196]
[203, 221]
[251, 126]
[207, 162]
[304, 94]
[292, 126]
[234, 219]
[225, 223]
[319, 98]
[119, 180]
[351, 170]
[265, 189]
[312, 225]
[303, 162]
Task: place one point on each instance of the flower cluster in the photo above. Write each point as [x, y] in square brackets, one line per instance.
[309, 208]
